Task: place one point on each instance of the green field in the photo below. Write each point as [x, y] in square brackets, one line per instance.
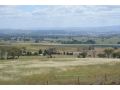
[98, 40]
[60, 70]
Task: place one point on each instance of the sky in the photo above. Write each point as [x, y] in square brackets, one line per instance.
[43, 16]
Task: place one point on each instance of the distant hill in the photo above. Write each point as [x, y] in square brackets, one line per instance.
[106, 30]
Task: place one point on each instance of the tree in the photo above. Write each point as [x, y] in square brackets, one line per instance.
[101, 55]
[7, 52]
[94, 53]
[36, 41]
[45, 52]
[115, 48]
[2, 53]
[29, 53]
[51, 51]
[13, 52]
[108, 52]
[91, 47]
[116, 54]
[64, 53]
[36, 53]
[118, 42]
[82, 55]
[90, 42]
[23, 51]
[40, 51]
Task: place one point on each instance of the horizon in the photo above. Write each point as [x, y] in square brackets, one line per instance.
[59, 16]
[65, 28]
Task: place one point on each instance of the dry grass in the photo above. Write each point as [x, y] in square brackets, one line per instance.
[37, 70]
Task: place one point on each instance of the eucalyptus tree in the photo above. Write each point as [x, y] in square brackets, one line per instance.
[108, 52]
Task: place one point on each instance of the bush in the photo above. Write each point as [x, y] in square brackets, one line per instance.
[79, 56]
[35, 53]
[108, 52]
[90, 42]
[118, 42]
[29, 53]
[101, 55]
[82, 55]
[40, 51]
[116, 55]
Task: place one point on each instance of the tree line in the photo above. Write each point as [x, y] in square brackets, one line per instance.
[79, 42]
[12, 52]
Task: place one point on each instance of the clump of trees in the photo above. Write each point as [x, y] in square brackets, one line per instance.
[102, 55]
[40, 51]
[82, 55]
[89, 42]
[79, 42]
[106, 53]
[9, 52]
[109, 53]
[29, 53]
[12, 52]
[116, 54]
[48, 52]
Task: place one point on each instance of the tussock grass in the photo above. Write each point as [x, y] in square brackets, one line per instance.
[60, 71]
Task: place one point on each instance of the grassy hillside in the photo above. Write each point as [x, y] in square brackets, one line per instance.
[42, 70]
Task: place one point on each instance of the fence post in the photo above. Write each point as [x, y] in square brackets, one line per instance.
[78, 80]
[105, 77]
[47, 82]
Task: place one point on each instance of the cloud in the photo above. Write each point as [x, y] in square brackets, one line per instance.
[76, 10]
[60, 15]
[11, 11]
[59, 10]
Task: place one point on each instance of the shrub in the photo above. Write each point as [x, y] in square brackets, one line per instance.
[82, 55]
[101, 55]
[35, 53]
[116, 55]
[108, 52]
[40, 51]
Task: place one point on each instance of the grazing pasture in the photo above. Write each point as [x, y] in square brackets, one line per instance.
[61, 70]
